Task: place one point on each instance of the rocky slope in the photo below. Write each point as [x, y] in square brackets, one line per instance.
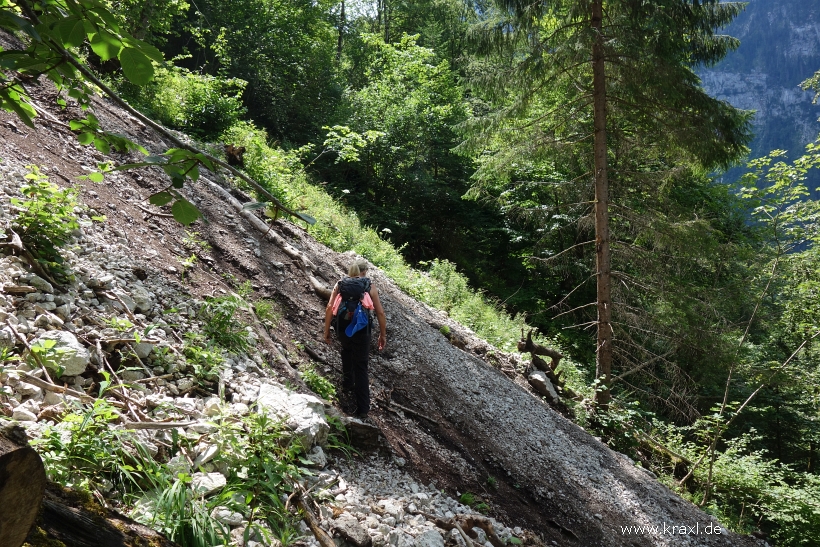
[445, 419]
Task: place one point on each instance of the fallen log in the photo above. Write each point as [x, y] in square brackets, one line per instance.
[22, 483]
[76, 519]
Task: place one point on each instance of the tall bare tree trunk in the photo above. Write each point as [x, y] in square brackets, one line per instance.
[603, 361]
[342, 23]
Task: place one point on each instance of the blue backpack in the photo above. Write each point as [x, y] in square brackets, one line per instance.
[352, 290]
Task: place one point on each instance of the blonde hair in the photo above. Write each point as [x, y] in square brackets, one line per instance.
[358, 267]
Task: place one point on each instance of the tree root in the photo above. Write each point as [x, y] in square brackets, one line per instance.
[527, 345]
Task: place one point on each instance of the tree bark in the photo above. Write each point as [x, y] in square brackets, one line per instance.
[22, 483]
[603, 361]
[77, 520]
[340, 42]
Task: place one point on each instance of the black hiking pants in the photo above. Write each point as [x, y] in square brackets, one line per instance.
[355, 356]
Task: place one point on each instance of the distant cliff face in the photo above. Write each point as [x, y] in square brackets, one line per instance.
[780, 47]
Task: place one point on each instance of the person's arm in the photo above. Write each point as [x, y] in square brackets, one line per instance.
[377, 305]
[329, 313]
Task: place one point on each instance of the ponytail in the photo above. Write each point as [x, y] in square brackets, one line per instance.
[357, 268]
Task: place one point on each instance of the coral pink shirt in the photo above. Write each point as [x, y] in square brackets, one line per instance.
[367, 302]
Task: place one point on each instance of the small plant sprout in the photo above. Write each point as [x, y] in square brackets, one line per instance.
[187, 264]
[193, 242]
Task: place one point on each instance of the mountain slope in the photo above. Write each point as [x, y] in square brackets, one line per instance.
[779, 48]
[455, 416]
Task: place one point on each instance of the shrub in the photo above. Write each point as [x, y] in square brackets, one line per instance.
[46, 221]
[84, 452]
[268, 313]
[221, 324]
[202, 106]
[318, 383]
[205, 359]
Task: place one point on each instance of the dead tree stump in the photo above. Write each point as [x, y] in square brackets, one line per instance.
[22, 483]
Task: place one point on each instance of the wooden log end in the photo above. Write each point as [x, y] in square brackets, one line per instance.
[22, 483]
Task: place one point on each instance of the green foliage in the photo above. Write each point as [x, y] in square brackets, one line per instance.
[119, 323]
[471, 500]
[56, 27]
[206, 359]
[262, 457]
[445, 330]
[175, 512]
[202, 106]
[48, 355]
[222, 325]
[268, 313]
[193, 242]
[318, 383]
[749, 490]
[187, 264]
[46, 221]
[292, 86]
[84, 452]
[408, 183]
[151, 21]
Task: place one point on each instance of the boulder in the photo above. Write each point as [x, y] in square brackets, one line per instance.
[362, 435]
[349, 528]
[304, 414]
[430, 538]
[317, 457]
[539, 381]
[205, 484]
[40, 284]
[67, 354]
[143, 349]
[143, 300]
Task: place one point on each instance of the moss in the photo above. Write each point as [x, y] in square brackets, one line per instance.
[38, 537]
[445, 330]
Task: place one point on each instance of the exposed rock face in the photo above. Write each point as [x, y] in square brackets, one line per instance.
[780, 47]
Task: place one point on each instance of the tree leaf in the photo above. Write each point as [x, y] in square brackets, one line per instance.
[96, 176]
[102, 145]
[147, 49]
[185, 212]
[253, 205]
[105, 44]
[307, 218]
[160, 198]
[136, 66]
[85, 138]
[71, 32]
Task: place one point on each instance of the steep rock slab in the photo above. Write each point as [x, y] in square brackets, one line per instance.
[459, 417]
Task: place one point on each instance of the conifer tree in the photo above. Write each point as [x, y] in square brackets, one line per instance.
[623, 67]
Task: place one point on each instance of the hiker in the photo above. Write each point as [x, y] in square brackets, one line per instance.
[348, 307]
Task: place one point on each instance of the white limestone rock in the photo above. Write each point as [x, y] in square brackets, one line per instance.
[68, 354]
[305, 414]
